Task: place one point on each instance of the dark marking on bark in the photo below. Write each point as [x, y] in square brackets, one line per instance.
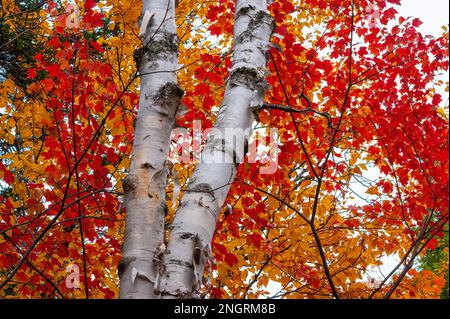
[167, 92]
[262, 17]
[197, 253]
[255, 110]
[201, 253]
[164, 208]
[180, 263]
[138, 54]
[147, 166]
[159, 262]
[165, 45]
[253, 78]
[124, 263]
[259, 18]
[179, 294]
[245, 10]
[202, 188]
[129, 184]
[237, 160]
[186, 236]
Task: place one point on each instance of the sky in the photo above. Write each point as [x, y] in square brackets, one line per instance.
[433, 13]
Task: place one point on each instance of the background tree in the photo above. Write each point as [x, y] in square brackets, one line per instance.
[436, 260]
[19, 41]
[354, 90]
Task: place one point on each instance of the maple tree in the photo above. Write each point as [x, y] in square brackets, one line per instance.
[354, 90]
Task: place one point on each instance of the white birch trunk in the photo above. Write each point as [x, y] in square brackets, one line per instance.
[196, 218]
[145, 186]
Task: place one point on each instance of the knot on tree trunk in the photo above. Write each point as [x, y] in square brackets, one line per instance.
[164, 44]
[253, 78]
[129, 184]
[169, 91]
[258, 20]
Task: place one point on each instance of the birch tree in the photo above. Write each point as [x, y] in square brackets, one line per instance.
[177, 271]
[195, 220]
[353, 89]
[145, 186]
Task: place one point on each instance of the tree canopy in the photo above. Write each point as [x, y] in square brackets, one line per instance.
[355, 92]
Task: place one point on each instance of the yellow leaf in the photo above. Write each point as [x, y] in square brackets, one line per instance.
[327, 202]
[353, 158]
[373, 191]
[354, 253]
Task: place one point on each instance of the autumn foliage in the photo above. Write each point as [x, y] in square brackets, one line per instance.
[356, 93]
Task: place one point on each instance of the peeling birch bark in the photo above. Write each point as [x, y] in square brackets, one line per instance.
[196, 218]
[145, 185]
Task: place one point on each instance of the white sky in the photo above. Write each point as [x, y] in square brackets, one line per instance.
[433, 13]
